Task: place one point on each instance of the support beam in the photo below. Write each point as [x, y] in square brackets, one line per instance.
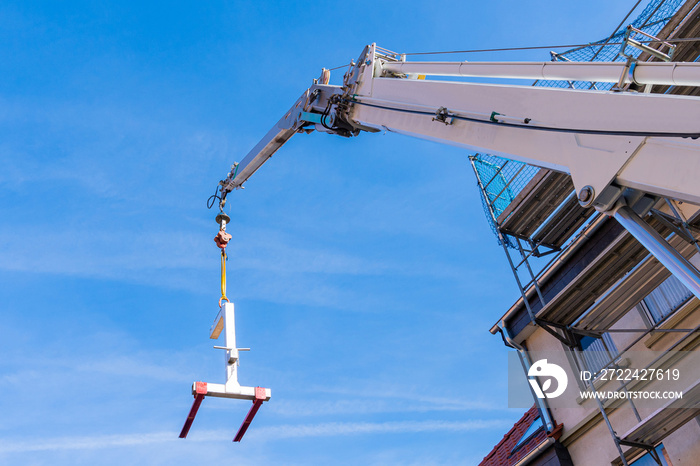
[659, 248]
[200, 392]
[260, 396]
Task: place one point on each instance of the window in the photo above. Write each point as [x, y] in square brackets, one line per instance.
[534, 427]
[648, 460]
[666, 299]
[598, 351]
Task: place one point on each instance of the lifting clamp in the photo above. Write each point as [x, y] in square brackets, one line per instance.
[225, 323]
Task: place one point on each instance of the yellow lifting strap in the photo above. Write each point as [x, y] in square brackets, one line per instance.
[221, 239]
[223, 278]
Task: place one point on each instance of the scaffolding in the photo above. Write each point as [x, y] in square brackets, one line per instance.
[538, 221]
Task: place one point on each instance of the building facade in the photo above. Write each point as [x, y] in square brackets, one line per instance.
[594, 302]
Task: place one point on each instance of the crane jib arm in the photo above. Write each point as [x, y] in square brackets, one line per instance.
[606, 140]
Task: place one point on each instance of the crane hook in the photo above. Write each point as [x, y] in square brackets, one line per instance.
[222, 238]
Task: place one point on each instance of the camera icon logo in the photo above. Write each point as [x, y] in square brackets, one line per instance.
[551, 371]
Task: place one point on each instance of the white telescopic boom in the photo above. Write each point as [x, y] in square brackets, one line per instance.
[608, 141]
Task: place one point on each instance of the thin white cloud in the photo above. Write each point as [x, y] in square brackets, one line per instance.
[369, 406]
[104, 367]
[84, 443]
[132, 367]
[269, 266]
[393, 393]
[392, 427]
[329, 429]
[111, 254]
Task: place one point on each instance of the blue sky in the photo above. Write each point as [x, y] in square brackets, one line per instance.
[364, 274]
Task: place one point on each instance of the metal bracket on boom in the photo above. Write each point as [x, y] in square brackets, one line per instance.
[627, 77]
[443, 116]
[630, 40]
[225, 323]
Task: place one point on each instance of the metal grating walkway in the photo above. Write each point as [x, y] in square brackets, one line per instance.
[545, 208]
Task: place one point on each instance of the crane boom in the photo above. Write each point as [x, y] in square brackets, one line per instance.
[606, 140]
[611, 143]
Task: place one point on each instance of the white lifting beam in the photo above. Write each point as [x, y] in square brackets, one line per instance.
[225, 323]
